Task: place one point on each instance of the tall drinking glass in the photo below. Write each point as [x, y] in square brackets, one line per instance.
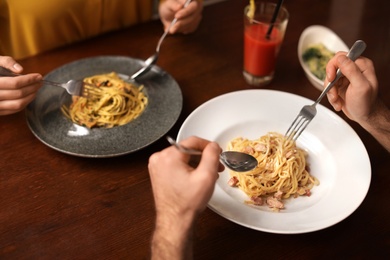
[262, 44]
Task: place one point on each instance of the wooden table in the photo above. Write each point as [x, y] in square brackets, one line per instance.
[57, 206]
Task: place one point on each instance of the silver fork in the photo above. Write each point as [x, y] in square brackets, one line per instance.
[73, 87]
[308, 112]
[149, 62]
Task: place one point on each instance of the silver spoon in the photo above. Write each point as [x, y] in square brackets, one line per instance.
[149, 62]
[236, 161]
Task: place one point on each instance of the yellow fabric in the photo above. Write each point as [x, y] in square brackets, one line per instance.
[29, 27]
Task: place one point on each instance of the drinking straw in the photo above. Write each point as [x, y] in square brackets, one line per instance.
[276, 12]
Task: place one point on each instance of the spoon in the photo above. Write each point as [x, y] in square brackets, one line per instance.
[235, 161]
[149, 62]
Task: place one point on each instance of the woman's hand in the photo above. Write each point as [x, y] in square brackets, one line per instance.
[16, 92]
[188, 18]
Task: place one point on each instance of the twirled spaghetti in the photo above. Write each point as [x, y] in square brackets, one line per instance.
[112, 102]
[282, 171]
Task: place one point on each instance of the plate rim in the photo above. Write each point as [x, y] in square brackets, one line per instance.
[331, 222]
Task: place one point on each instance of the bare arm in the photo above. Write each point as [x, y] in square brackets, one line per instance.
[180, 193]
[378, 124]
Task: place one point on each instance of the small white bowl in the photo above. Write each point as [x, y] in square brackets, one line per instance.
[318, 34]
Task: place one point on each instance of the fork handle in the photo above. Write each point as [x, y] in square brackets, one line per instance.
[4, 72]
[356, 50]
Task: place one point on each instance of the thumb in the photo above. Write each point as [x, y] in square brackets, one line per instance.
[11, 64]
[209, 163]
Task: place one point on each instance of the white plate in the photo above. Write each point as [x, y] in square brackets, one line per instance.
[336, 155]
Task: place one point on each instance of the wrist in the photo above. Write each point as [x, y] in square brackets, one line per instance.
[379, 116]
[174, 226]
[172, 237]
[378, 124]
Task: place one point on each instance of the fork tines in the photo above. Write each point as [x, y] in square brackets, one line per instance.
[296, 128]
[298, 125]
[89, 90]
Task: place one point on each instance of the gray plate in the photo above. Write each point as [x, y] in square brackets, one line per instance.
[50, 126]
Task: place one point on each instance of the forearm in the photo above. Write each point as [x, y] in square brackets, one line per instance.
[378, 125]
[172, 238]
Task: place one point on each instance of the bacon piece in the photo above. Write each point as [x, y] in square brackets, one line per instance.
[249, 150]
[278, 194]
[260, 148]
[233, 181]
[302, 191]
[274, 203]
[257, 200]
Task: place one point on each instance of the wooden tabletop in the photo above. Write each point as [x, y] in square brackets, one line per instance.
[58, 206]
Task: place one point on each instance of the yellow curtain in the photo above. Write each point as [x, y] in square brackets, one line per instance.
[31, 27]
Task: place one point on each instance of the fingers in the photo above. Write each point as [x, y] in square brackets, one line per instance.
[167, 158]
[195, 8]
[20, 81]
[336, 94]
[332, 66]
[186, 26]
[188, 18]
[209, 163]
[17, 92]
[210, 150]
[171, 156]
[349, 69]
[10, 63]
[8, 107]
[195, 142]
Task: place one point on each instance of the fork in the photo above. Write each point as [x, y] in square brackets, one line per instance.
[73, 87]
[308, 112]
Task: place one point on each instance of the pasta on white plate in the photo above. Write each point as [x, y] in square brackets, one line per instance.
[113, 102]
[282, 170]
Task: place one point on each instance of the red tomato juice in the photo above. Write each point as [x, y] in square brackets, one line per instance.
[260, 53]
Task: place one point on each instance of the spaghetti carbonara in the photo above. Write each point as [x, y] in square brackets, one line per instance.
[282, 171]
[112, 102]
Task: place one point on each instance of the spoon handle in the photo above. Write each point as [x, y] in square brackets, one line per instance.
[182, 148]
[169, 27]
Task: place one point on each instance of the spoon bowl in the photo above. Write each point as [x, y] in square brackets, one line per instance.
[147, 66]
[235, 161]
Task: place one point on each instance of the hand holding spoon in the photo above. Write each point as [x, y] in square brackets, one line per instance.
[149, 62]
[236, 161]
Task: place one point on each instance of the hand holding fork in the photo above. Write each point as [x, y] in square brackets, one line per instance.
[308, 112]
[73, 87]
